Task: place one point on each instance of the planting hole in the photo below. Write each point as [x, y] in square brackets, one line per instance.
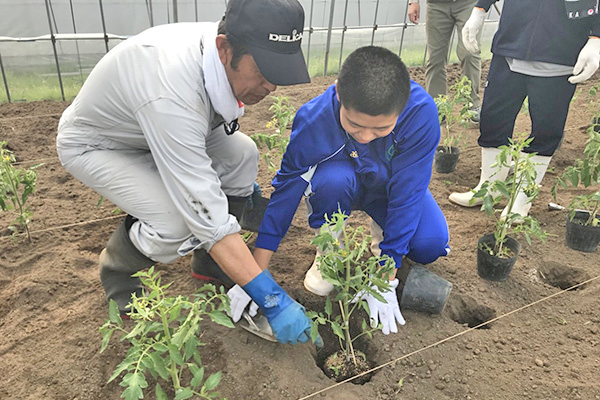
[466, 310]
[561, 276]
[335, 367]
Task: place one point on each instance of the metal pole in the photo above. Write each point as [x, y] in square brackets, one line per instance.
[374, 23]
[310, 31]
[328, 36]
[76, 41]
[359, 13]
[196, 9]
[4, 79]
[150, 12]
[175, 13]
[343, 34]
[53, 38]
[403, 30]
[103, 26]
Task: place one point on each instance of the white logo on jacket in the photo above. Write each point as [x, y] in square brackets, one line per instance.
[294, 37]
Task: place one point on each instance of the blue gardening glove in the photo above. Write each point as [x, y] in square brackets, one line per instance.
[286, 317]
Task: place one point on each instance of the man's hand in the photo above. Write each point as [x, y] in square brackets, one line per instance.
[287, 318]
[388, 313]
[587, 61]
[414, 12]
[471, 30]
[238, 301]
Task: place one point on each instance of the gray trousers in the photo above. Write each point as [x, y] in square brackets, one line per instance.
[441, 20]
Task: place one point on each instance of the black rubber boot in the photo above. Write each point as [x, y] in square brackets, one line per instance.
[249, 218]
[206, 269]
[118, 261]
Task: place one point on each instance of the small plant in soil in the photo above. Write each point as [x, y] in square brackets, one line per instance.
[164, 334]
[522, 179]
[276, 143]
[346, 265]
[584, 172]
[455, 110]
[16, 185]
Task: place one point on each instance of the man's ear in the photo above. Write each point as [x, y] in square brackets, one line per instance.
[223, 49]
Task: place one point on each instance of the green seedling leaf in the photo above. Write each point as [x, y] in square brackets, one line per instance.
[185, 393]
[113, 313]
[164, 336]
[221, 318]
[160, 393]
[212, 381]
[198, 373]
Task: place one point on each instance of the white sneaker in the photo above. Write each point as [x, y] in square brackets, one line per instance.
[314, 282]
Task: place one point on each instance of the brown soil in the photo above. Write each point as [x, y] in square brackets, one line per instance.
[340, 368]
[52, 303]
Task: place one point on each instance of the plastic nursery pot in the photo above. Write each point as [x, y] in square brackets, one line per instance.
[445, 162]
[495, 268]
[582, 237]
[425, 291]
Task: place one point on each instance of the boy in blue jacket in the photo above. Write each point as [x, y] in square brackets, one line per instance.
[367, 143]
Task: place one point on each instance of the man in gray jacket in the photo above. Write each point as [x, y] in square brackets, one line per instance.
[154, 130]
[442, 17]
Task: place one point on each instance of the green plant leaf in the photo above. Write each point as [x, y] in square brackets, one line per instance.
[198, 375]
[160, 393]
[221, 318]
[123, 365]
[184, 393]
[106, 339]
[135, 382]
[337, 329]
[113, 313]
[159, 365]
[212, 381]
[175, 355]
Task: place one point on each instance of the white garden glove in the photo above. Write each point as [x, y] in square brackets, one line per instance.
[388, 313]
[587, 61]
[471, 29]
[238, 301]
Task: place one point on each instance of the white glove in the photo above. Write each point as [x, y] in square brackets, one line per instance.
[587, 61]
[238, 301]
[472, 28]
[388, 313]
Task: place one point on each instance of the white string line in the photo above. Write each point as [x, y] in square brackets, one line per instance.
[448, 338]
[67, 226]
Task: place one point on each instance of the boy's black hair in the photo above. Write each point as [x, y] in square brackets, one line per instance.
[237, 48]
[374, 81]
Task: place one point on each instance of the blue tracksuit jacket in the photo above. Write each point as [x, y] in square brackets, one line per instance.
[399, 164]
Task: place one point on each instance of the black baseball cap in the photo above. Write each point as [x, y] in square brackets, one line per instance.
[272, 32]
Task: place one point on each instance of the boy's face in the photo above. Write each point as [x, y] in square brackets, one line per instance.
[365, 128]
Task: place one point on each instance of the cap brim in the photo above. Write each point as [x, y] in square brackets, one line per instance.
[281, 69]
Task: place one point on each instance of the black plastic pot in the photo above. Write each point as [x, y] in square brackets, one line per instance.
[582, 237]
[494, 268]
[425, 291]
[445, 162]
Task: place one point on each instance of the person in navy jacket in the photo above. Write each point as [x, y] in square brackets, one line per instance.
[368, 144]
[541, 51]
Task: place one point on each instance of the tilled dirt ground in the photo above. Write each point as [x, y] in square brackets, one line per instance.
[52, 303]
